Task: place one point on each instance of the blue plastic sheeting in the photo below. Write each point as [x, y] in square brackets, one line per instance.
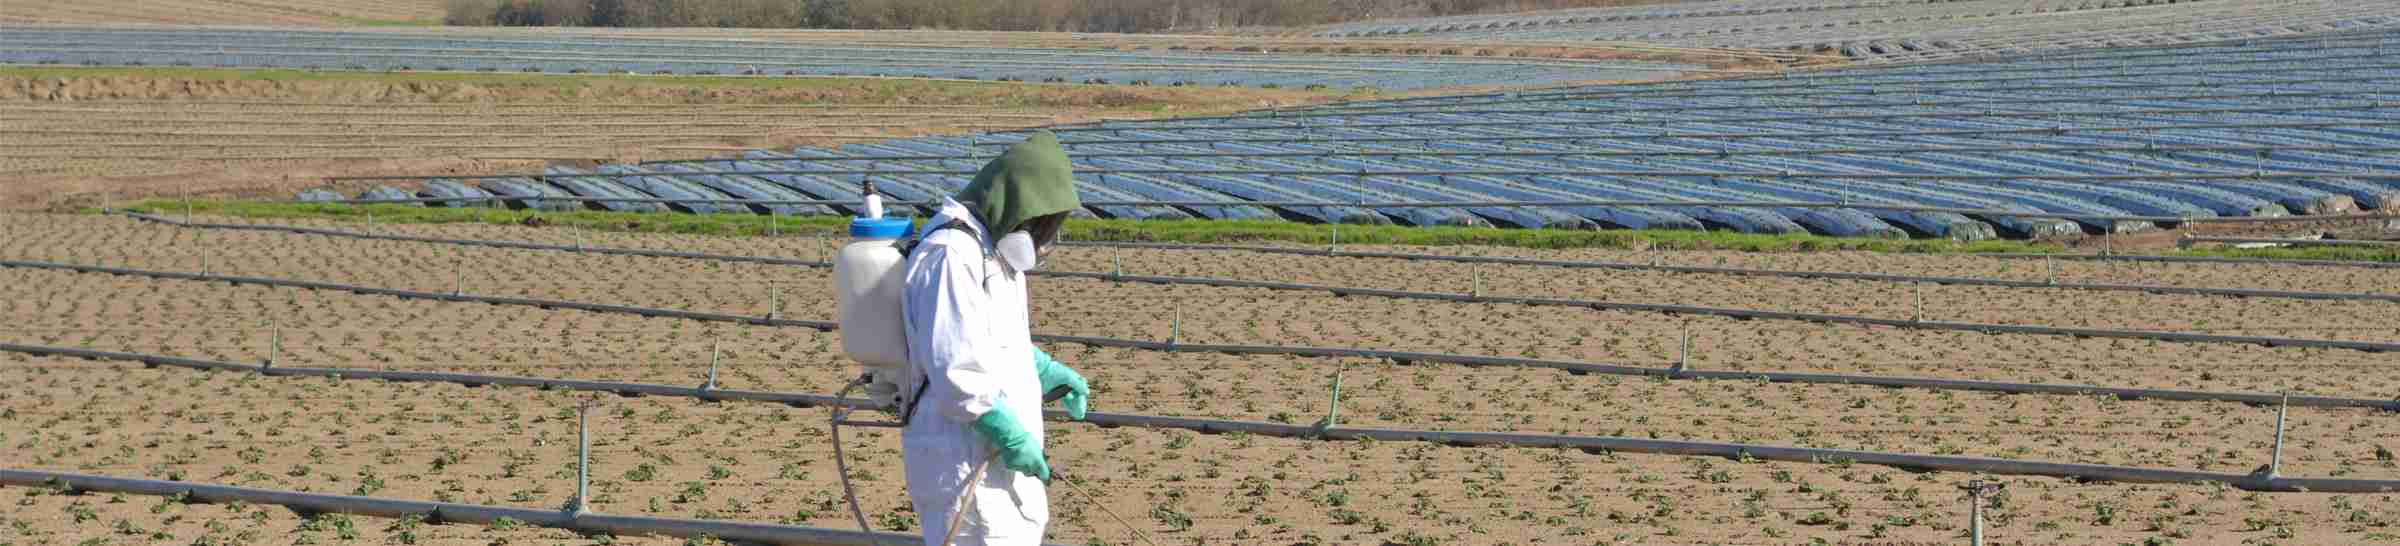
[669, 187]
[746, 187]
[2185, 106]
[2223, 202]
[2298, 199]
[905, 188]
[388, 192]
[2111, 197]
[813, 187]
[2011, 135]
[527, 193]
[1902, 30]
[601, 187]
[946, 145]
[2368, 195]
[467, 196]
[320, 195]
[1462, 188]
[1935, 225]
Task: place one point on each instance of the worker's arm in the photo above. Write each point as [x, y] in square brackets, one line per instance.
[947, 310]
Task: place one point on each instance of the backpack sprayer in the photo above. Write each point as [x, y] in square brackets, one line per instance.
[869, 274]
[868, 278]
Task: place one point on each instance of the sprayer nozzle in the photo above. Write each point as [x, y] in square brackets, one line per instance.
[866, 189]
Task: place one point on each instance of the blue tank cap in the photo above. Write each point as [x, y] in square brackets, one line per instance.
[880, 228]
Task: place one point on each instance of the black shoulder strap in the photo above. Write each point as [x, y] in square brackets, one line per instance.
[908, 247]
[910, 412]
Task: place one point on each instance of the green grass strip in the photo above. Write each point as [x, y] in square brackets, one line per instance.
[1201, 231]
[1163, 231]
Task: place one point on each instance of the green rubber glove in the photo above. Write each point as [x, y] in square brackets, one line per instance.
[1016, 448]
[1055, 375]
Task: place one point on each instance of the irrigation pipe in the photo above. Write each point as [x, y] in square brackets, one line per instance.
[2310, 75]
[1919, 103]
[1178, 124]
[2051, 131]
[1302, 351]
[1620, 266]
[1832, 92]
[446, 512]
[1949, 463]
[2192, 260]
[1945, 71]
[1779, 175]
[2189, 240]
[1965, 281]
[1575, 153]
[2114, 56]
[1545, 301]
[1802, 82]
[1720, 92]
[1870, 205]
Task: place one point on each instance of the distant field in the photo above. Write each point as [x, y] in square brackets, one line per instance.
[1900, 30]
[151, 131]
[228, 12]
[217, 117]
[1030, 57]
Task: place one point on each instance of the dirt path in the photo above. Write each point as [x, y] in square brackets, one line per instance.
[304, 13]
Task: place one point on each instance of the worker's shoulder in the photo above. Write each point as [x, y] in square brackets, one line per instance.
[952, 236]
[956, 245]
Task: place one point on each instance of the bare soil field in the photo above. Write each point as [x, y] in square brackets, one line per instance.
[770, 463]
[91, 134]
[314, 13]
[507, 446]
[118, 139]
[1259, 316]
[759, 462]
[2378, 225]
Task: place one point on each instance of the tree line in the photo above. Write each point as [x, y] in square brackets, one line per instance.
[1031, 15]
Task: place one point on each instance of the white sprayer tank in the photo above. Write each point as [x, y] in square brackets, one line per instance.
[868, 275]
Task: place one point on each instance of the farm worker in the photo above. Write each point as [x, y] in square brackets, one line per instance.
[968, 333]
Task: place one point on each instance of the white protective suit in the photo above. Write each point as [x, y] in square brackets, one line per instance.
[969, 334]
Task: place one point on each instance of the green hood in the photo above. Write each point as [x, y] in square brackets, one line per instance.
[1031, 180]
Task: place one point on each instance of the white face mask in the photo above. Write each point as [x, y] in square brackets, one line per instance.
[1017, 249]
